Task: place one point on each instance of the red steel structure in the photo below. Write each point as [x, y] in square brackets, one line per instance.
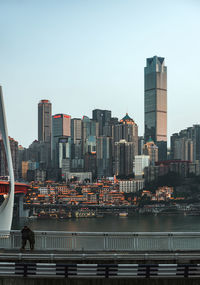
[19, 187]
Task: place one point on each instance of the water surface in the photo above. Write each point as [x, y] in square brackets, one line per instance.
[137, 223]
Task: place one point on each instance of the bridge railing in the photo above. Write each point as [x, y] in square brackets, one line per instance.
[106, 241]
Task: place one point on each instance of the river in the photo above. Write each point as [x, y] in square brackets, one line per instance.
[137, 223]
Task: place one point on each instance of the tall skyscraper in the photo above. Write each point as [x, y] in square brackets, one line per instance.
[61, 140]
[155, 101]
[44, 121]
[76, 130]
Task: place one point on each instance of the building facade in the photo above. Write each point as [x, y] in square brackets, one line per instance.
[152, 150]
[104, 157]
[103, 117]
[44, 121]
[155, 100]
[141, 161]
[127, 130]
[61, 140]
[185, 145]
[123, 158]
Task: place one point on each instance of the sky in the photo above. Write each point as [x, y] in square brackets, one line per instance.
[88, 54]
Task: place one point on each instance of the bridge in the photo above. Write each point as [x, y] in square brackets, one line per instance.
[102, 257]
[20, 188]
[107, 241]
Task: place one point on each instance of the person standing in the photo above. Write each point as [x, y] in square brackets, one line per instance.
[27, 234]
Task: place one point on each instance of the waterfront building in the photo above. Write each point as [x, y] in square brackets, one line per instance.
[164, 193]
[131, 186]
[152, 150]
[155, 104]
[123, 158]
[103, 117]
[141, 161]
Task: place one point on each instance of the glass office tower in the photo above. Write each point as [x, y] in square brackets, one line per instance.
[155, 101]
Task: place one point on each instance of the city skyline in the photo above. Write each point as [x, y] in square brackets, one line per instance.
[91, 55]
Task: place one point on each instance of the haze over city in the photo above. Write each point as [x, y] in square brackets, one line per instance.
[83, 55]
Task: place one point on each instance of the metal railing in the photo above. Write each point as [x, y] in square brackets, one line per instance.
[56, 270]
[106, 241]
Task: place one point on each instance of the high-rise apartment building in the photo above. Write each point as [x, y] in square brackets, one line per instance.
[44, 121]
[155, 101]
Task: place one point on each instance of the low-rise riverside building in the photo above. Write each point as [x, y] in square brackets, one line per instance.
[131, 186]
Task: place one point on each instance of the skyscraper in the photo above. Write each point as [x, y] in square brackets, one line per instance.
[44, 133]
[155, 101]
[123, 158]
[90, 131]
[103, 117]
[44, 121]
[104, 156]
[77, 162]
[127, 130]
[61, 139]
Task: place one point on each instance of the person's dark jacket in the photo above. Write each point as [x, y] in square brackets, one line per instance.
[25, 233]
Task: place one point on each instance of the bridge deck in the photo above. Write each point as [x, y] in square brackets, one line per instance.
[113, 257]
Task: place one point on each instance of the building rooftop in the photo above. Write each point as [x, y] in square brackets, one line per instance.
[127, 119]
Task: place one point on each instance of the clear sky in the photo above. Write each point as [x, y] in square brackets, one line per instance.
[87, 54]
